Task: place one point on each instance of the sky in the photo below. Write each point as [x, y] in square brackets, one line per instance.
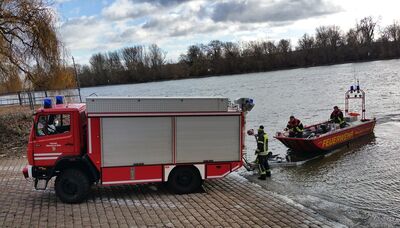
[92, 26]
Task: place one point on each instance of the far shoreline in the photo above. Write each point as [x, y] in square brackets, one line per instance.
[243, 73]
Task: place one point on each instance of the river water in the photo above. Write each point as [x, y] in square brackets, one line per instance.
[357, 186]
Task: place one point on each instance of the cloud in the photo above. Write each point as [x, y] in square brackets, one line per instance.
[129, 9]
[123, 9]
[276, 12]
[193, 29]
[179, 23]
[198, 17]
[83, 33]
[61, 1]
[166, 2]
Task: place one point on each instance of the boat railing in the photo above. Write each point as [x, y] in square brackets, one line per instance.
[355, 93]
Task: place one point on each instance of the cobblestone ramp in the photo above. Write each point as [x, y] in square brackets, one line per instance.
[229, 202]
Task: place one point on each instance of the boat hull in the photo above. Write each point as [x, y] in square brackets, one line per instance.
[328, 141]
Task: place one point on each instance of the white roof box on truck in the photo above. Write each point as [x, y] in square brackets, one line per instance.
[156, 104]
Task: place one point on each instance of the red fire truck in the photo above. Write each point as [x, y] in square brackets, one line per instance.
[130, 140]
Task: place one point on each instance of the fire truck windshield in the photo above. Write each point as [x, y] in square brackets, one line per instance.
[53, 124]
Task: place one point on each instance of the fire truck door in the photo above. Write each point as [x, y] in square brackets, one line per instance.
[53, 137]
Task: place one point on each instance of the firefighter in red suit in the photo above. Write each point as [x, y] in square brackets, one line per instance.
[337, 117]
[295, 127]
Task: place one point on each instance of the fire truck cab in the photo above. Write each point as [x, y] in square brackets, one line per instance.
[126, 140]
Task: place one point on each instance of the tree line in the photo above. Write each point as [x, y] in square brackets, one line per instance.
[329, 45]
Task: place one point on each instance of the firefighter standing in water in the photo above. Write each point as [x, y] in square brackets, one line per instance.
[337, 117]
[262, 153]
[295, 127]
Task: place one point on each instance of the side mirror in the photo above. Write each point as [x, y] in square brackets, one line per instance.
[250, 132]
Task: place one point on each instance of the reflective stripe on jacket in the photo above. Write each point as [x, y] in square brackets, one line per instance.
[337, 117]
[295, 125]
[262, 144]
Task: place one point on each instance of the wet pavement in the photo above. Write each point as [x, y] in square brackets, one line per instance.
[229, 202]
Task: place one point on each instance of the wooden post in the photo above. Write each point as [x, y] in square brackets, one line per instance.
[31, 104]
[19, 98]
[33, 95]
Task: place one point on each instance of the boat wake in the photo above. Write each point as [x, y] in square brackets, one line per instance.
[388, 118]
[388, 131]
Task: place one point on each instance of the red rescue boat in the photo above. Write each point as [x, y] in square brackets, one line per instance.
[324, 137]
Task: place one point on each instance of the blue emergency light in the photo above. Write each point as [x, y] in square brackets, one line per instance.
[59, 99]
[47, 103]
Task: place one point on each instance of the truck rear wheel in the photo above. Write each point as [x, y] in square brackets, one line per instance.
[184, 180]
[72, 186]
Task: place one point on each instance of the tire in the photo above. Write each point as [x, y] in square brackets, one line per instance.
[72, 186]
[184, 180]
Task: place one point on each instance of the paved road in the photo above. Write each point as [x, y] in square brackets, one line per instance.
[229, 202]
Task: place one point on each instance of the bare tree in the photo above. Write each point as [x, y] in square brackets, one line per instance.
[321, 37]
[271, 47]
[231, 57]
[114, 61]
[28, 39]
[214, 49]
[306, 42]
[133, 57]
[85, 75]
[328, 36]
[284, 46]
[335, 36]
[193, 55]
[231, 50]
[98, 64]
[366, 28]
[156, 56]
[392, 32]
[196, 59]
[352, 38]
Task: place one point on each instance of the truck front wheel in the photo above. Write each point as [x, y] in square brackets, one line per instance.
[184, 180]
[72, 186]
